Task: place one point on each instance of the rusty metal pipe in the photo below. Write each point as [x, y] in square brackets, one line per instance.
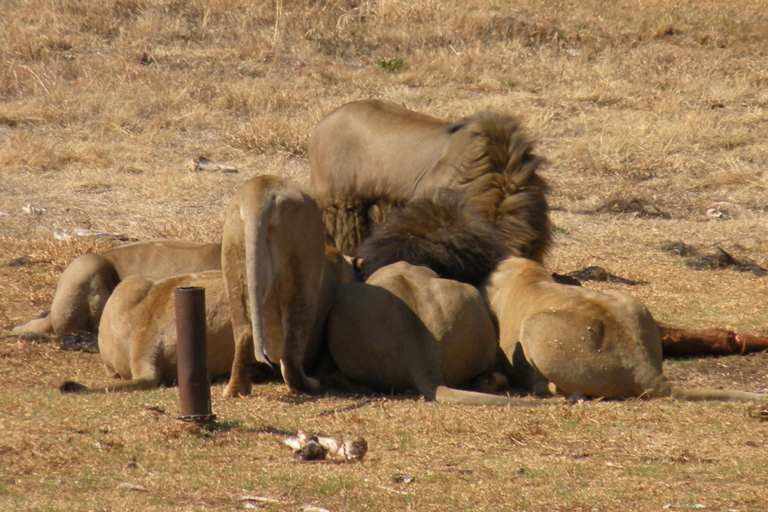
[192, 366]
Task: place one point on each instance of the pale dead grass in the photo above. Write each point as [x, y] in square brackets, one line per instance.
[104, 103]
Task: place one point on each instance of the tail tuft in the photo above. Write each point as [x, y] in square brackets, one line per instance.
[72, 387]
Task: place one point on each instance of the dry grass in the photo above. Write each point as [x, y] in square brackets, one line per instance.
[103, 104]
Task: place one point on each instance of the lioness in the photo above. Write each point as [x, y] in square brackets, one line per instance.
[88, 281]
[583, 341]
[369, 156]
[280, 280]
[137, 333]
[406, 329]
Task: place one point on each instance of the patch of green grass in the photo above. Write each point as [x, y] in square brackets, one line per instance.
[391, 64]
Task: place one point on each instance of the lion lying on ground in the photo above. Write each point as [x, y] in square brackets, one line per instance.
[407, 329]
[137, 333]
[88, 281]
[370, 156]
[280, 280]
[583, 341]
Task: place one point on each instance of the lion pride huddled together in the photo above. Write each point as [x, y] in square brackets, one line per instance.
[411, 262]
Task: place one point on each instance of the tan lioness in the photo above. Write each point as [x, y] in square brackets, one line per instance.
[407, 329]
[280, 280]
[583, 341]
[137, 333]
[88, 281]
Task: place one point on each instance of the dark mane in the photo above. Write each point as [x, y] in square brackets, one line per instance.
[349, 220]
[499, 180]
[441, 233]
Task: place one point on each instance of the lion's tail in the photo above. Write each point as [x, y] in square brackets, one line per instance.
[257, 216]
[35, 327]
[723, 395]
[446, 395]
[126, 385]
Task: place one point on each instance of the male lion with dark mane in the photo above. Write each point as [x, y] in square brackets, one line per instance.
[369, 157]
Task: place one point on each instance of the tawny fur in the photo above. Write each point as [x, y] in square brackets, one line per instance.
[440, 233]
[280, 280]
[137, 333]
[88, 281]
[370, 157]
[583, 341]
[407, 329]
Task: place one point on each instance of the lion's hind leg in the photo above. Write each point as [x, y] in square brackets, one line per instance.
[295, 377]
[235, 281]
[81, 294]
[582, 352]
[147, 376]
[298, 319]
[297, 328]
[148, 365]
[35, 327]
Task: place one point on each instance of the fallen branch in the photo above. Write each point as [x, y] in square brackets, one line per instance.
[680, 341]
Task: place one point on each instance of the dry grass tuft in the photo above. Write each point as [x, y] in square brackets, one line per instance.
[104, 103]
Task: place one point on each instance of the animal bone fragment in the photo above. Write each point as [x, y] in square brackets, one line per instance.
[201, 163]
[33, 210]
[313, 447]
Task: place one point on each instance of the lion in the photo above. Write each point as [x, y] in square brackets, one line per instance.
[440, 233]
[407, 329]
[137, 333]
[88, 281]
[370, 157]
[583, 341]
[280, 279]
